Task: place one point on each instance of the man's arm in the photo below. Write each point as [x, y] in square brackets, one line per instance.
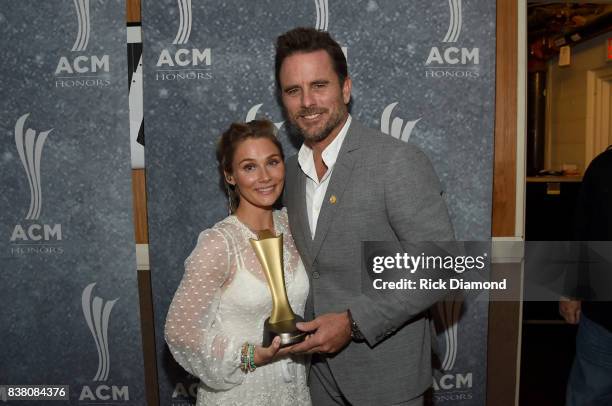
[417, 212]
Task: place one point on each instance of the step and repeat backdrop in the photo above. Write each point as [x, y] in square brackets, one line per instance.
[422, 73]
[68, 288]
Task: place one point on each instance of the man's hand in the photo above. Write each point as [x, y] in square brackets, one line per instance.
[329, 334]
[570, 310]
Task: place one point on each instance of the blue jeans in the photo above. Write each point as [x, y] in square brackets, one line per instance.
[590, 381]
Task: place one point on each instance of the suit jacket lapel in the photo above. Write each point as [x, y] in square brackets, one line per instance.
[340, 178]
[303, 231]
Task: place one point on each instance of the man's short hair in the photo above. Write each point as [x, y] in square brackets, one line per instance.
[304, 40]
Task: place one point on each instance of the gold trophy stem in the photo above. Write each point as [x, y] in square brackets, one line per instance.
[269, 251]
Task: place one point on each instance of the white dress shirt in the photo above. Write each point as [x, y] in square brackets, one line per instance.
[315, 188]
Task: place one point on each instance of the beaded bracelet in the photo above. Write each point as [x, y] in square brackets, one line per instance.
[244, 356]
[247, 358]
[252, 365]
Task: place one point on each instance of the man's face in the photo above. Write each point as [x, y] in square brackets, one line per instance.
[314, 100]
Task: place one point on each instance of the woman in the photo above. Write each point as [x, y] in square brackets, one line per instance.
[215, 323]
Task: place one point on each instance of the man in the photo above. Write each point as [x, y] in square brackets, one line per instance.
[346, 185]
[590, 381]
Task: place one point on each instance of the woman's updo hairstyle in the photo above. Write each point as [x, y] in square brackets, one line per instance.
[227, 145]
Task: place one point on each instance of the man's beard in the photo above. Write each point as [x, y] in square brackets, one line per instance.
[333, 122]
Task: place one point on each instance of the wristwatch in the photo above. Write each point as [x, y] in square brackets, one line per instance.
[356, 334]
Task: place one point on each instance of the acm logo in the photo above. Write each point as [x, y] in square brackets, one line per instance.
[29, 145]
[449, 312]
[252, 115]
[184, 390]
[97, 313]
[449, 60]
[183, 63]
[396, 127]
[73, 68]
[322, 21]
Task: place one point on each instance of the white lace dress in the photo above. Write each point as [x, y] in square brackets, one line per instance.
[221, 303]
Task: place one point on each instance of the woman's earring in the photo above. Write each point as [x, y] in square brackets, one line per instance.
[230, 204]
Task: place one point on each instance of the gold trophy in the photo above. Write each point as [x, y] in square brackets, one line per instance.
[269, 250]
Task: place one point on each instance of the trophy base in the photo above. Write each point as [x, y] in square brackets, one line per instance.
[286, 330]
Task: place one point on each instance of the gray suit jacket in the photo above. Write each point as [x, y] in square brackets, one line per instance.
[386, 190]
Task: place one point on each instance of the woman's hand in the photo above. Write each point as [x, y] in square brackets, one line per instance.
[264, 355]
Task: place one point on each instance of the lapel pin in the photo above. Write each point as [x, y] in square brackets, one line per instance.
[332, 199]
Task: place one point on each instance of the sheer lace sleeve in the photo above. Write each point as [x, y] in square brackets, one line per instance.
[194, 340]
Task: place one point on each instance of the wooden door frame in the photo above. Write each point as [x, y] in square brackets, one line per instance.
[598, 109]
[507, 223]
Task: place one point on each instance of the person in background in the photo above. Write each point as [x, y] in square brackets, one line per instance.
[590, 381]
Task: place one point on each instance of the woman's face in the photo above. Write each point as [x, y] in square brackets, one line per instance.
[258, 171]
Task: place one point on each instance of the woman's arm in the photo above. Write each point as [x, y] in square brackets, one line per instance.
[194, 340]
